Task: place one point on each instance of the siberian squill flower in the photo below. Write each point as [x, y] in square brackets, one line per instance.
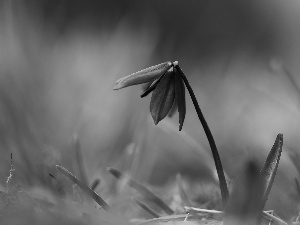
[167, 87]
[168, 82]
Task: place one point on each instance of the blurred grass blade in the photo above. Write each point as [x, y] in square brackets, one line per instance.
[245, 203]
[95, 184]
[270, 167]
[79, 160]
[294, 157]
[84, 187]
[147, 208]
[146, 75]
[297, 186]
[59, 187]
[182, 193]
[144, 191]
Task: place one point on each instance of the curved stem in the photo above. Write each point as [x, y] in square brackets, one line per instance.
[215, 153]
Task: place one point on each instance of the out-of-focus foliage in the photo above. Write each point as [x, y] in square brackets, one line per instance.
[58, 64]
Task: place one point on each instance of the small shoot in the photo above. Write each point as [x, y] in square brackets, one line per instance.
[144, 191]
[84, 187]
[269, 170]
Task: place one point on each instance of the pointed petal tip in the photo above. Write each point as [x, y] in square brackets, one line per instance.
[118, 86]
[156, 121]
[155, 118]
[180, 126]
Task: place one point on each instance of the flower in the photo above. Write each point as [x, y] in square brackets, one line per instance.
[167, 87]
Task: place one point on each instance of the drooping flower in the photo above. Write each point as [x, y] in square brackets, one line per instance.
[167, 87]
[168, 82]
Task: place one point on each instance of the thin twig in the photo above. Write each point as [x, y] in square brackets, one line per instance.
[219, 214]
[180, 217]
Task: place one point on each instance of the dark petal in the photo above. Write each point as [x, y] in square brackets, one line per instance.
[174, 108]
[145, 86]
[163, 97]
[180, 97]
[152, 86]
[143, 76]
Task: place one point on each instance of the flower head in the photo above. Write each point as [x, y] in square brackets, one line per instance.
[167, 87]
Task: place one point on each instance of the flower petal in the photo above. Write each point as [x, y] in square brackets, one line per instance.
[152, 86]
[163, 97]
[180, 97]
[143, 76]
[174, 108]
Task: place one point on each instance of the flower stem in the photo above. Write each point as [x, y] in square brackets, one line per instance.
[215, 153]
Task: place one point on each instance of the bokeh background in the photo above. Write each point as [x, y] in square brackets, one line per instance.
[60, 59]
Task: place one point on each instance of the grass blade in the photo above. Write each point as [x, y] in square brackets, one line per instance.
[297, 186]
[79, 159]
[144, 191]
[95, 184]
[147, 208]
[270, 167]
[182, 193]
[84, 187]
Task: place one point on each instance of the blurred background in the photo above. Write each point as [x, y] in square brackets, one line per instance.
[59, 61]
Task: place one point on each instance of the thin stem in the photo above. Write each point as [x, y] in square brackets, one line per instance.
[214, 150]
